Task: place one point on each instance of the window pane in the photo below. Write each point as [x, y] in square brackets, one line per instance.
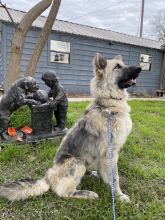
[60, 46]
[59, 57]
[59, 52]
[145, 61]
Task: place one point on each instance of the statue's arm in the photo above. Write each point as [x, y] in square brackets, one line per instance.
[60, 94]
[28, 102]
[57, 98]
[22, 98]
[50, 94]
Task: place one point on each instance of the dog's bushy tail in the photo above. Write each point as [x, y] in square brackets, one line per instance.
[23, 189]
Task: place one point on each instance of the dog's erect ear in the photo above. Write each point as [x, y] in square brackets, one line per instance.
[118, 57]
[100, 62]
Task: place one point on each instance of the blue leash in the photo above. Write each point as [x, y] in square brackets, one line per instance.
[111, 165]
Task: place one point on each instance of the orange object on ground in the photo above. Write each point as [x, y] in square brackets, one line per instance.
[26, 130]
[11, 132]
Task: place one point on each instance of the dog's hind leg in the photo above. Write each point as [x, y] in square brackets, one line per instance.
[84, 194]
[65, 177]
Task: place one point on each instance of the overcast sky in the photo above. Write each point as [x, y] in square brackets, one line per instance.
[116, 15]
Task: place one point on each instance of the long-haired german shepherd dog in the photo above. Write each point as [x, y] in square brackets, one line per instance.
[86, 143]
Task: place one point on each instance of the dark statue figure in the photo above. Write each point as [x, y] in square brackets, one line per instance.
[14, 98]
[39, 95]
[59, 102]
[25, 92]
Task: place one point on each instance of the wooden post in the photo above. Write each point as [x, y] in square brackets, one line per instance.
[162, 75]
[141, 20]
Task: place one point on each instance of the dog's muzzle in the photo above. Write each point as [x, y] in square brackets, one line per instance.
[130, 76]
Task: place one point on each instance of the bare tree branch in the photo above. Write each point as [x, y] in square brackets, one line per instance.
[4, 6]
[158, 26]
[19, 38]
[30, 71]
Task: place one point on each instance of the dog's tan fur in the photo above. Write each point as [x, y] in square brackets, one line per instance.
[86, 144]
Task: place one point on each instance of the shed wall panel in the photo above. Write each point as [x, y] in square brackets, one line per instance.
[76, 76]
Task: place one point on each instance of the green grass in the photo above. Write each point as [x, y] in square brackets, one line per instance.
[140, 167]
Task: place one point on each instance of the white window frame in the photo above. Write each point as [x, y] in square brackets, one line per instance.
[146, 61]
[61, 52]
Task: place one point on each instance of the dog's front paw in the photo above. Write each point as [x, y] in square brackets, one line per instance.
[124, 198]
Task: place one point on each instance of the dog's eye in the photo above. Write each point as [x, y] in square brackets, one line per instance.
[117, 66]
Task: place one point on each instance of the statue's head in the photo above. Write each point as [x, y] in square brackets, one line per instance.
[50, 78]
[29, 84]
[41, 96]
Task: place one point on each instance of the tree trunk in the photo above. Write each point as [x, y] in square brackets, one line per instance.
[30, 71]
[19, 38]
